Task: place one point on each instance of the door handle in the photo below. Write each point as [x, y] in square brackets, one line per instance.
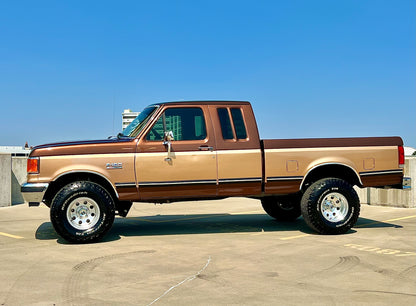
[206, 148]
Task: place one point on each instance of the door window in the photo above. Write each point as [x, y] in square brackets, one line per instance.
[185, 123]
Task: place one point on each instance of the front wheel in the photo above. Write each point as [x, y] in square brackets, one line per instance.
[330, 206]
[82, 212]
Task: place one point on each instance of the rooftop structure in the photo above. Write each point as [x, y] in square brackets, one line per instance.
[14, 150]
[409, 151]
[128, 117]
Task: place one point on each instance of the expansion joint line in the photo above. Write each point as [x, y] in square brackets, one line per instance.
[188, 279]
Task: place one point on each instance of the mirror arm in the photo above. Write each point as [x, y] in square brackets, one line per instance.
[168, 142]
[169, 145]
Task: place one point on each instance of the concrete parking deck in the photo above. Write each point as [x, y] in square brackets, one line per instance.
[224, 252]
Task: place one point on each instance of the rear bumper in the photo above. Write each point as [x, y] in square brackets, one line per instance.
[33, 193]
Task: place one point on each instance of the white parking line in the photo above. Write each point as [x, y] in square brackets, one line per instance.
[295, 237]
[11, 236]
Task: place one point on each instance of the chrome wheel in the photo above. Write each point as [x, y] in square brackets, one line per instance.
[83, 213]
[334, 207]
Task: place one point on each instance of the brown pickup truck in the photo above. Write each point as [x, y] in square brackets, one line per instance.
[181, 151]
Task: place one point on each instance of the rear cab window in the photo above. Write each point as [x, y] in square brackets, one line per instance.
[232, 124]
[240, 127]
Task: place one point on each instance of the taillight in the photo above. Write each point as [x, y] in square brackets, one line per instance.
[401, 156]
[33, 165]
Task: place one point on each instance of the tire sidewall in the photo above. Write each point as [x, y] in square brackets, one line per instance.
[311, 206]
[67, 195]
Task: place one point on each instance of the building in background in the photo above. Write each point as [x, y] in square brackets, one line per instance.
[409, 151]
[128, 116]
[15, 150]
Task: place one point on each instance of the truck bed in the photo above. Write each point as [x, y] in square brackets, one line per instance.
[370, 161]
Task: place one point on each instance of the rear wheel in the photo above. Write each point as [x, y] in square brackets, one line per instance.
[82, 212]
[285, 208]
[330, 206]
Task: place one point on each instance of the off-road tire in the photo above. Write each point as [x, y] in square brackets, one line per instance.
[330, 206]
[82, 212]
[285, 208]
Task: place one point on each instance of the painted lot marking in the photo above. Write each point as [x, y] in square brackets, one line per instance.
[361, 225]
[385, 221]
[381, 251]
[11, 236]
[295, 237]
[248, 212]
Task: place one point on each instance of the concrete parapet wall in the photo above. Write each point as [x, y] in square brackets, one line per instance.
[13, 174]
[18, 177]
[5, 179]
[393, 197]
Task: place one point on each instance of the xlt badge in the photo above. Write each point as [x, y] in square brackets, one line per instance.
[114, 165]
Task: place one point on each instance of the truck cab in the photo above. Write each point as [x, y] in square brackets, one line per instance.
[213, 151]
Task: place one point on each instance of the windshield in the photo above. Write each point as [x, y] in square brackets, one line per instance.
[134, 128]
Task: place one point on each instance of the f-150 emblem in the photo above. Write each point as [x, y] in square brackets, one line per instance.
[114, 165]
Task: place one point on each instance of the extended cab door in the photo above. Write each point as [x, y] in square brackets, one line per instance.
[239, 153]
[189, 170]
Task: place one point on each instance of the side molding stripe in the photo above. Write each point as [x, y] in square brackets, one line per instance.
[381, 172]
[240, 180]
[285, 178]
[196, 182]
[156, 184]
[125, 185]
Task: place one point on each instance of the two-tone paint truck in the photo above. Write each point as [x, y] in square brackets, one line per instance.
[181, 151]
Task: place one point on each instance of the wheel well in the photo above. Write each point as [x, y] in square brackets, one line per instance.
[56, 185]
[338, 171]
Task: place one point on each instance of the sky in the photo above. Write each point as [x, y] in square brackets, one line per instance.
[316, 68]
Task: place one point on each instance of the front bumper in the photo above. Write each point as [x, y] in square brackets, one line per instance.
[33, 193]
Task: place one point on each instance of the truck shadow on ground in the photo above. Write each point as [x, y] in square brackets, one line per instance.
[163, 225]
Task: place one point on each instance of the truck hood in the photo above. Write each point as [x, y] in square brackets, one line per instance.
[101, 146]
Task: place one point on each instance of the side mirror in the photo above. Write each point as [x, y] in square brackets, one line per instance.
[169, 136]
[168, 142]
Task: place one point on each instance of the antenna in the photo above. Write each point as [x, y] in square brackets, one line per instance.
[114, 112]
